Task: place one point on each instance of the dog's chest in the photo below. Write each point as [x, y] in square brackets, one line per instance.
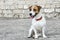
[40, 22]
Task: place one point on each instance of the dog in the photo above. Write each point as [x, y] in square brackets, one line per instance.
[38, 22]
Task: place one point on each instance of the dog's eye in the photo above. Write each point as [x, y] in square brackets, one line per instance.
[34, 9]
[29, 9]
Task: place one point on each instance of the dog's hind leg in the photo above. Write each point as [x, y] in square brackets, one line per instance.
[43, 32]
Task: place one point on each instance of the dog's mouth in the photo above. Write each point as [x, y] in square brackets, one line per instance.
[32, 16]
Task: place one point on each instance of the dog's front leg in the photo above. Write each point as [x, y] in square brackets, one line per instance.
[36, 35]
[43, 32]
[30, 33]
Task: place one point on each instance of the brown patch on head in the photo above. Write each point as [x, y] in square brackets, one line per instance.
[39, 7]
[35, 8]
[30, 8]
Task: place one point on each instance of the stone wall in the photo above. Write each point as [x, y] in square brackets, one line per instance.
[19, 8]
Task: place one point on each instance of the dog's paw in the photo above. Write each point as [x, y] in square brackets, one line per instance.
[36, 36]
[44, 36]
[29, 36]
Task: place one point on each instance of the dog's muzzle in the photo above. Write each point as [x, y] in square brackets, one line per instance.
[32, 16]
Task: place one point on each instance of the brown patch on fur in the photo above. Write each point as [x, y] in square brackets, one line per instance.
[35, 8]
[39, 7]
[30, 8]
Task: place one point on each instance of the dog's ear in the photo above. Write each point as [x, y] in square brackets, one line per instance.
[30, 8]
[39, 7]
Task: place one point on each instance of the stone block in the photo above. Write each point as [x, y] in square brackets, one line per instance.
[26, 6]
[18, 15]
[20, 2]
[30, 2]
[1, 11]
[57, 10]
[26, 11]
[48, 10]
[0, 15]
[57, 5]
[2, 7]
[1, 2]
[17, 11]
[48, 1]
[9, 2]
[12, 7]
[49, 6]
[21, 16]
[7, 11]
[20, 6]
[8, 15]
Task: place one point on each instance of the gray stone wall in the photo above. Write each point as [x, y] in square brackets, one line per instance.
[19, 8]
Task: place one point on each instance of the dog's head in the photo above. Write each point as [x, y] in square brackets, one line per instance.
[34, 10]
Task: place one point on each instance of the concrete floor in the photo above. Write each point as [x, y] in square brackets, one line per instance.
[17, 29]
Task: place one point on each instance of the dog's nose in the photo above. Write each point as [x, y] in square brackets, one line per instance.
[30, 14]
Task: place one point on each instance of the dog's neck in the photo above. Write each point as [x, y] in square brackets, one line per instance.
[38, 17]
[39, 14]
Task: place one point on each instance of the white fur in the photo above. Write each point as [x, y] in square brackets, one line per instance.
[33, 13]
[38, 25]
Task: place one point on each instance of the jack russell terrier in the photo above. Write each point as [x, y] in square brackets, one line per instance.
[38, 22]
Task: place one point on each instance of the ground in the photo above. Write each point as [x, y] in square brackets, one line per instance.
[17, 29]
